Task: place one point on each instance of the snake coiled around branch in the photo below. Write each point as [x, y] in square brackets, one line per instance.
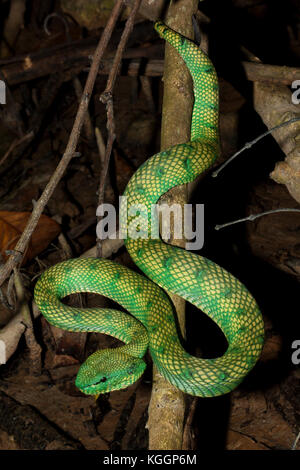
[168, 268]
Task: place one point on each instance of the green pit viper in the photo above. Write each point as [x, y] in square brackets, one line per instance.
[198, 280]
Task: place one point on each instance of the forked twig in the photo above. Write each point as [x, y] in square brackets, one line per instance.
[252, 217]
[15, 144]
[107, 99]
[248, 145]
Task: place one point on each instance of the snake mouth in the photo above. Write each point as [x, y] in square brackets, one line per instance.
[93, 388]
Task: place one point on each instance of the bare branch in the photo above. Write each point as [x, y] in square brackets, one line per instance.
[252, 217]
[248, 145]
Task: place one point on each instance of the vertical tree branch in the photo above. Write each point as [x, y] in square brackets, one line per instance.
[167, 405]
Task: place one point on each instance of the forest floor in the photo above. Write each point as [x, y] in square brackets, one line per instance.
[47, 411]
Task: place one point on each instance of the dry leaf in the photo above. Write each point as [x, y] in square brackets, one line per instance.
[12, 225]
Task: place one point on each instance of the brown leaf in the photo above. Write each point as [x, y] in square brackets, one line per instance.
[12, 225]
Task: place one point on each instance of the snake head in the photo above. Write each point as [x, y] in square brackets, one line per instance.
[108, 370]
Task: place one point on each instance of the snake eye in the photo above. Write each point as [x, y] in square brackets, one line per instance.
[104, 379]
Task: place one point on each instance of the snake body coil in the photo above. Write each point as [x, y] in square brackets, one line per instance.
[198, 280]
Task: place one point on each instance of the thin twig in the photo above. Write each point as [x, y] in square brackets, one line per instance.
[10, 292]
[5, 302]
[248, 145]
[120, 50]
[32, 344]
[100, 144]
[107, 99]
[105, 165]
[66, 249]
[88, 126]
[102, 152]
[252, 217]
[147, 90]
[15, 144]
[76, 82]
[295, 442]
[71, 146]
